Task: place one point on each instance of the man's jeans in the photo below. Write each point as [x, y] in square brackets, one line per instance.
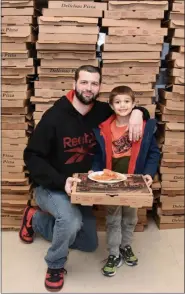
[67, 225]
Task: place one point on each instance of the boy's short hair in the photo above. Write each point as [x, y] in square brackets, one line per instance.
[88, 68]
[121, 90]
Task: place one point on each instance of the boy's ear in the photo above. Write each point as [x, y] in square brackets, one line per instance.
[133, 105]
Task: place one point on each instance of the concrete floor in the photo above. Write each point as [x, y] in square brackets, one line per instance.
[160, 268]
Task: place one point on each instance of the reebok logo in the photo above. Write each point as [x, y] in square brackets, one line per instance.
[76, 146]
[80, 153]
[75, 141]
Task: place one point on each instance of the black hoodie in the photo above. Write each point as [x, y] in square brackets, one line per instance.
[63, 143]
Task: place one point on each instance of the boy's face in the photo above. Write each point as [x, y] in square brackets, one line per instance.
[122, 105]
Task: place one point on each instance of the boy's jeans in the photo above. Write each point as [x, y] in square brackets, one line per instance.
[121, 222]
[66, 225]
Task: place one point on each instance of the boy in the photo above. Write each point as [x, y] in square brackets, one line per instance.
[119, 154]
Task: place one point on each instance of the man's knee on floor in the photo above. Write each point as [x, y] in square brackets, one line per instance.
[92, 244]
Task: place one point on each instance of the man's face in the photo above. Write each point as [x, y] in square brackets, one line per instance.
[87, 87]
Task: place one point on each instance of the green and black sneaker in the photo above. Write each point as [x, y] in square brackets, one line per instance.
[128, 255]
[112, 263]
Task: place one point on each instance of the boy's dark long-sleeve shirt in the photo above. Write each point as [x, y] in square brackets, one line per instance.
[63, 143]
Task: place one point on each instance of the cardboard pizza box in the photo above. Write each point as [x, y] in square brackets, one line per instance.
[132, 192]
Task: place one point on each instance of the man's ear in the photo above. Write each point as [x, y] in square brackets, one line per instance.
[74, 85]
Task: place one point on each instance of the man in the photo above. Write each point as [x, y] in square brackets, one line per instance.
[63, 143]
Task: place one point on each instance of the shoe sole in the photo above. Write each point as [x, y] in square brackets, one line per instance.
[22, 226]
[131, 264]
[53, 289]
[108, 275]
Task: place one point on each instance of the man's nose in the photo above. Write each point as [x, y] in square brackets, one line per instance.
[89, 87]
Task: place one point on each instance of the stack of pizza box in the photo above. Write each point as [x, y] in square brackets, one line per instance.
[68, 34]
[132, 49]
[17, 70]
[170, 209]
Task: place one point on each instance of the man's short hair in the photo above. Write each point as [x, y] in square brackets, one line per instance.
[88, 68]
[121, 90]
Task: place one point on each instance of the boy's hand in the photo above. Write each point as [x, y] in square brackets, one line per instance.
[135, 125]
[69, 184]
[149, 179]
[90, 172]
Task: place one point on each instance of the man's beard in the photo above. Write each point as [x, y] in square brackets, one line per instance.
[85, 100]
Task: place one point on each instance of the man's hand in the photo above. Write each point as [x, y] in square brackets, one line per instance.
[135, 125]
[149, 180]
[69, 184]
